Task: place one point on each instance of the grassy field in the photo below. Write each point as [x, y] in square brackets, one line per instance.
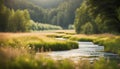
[36, 41]
[17, 50]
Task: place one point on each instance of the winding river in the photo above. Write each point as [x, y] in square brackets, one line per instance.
[86, 50]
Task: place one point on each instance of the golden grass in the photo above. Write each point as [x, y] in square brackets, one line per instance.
[38, 40]
[21, 62]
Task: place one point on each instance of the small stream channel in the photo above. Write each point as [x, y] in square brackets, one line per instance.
[86, 50]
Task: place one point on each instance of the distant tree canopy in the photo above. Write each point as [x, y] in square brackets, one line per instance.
[13, 21]
[62, 14]
[103, 15]
[41, 27]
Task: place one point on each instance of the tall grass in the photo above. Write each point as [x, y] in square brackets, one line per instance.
[111, 44]
[14, 58]
[37, 42]
[17, 51]
[109, 41]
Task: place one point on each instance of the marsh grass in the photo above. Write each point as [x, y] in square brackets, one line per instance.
[37, 41]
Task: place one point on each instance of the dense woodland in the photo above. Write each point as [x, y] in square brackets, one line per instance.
[13, 21]
[96, 16]
[88, 16]
[56, 12]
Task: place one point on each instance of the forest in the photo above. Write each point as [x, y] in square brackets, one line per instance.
[87, 16]
[62, 14]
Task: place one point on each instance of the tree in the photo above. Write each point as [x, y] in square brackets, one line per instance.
[83, 17]
[109, 21]
[21, 21]
[87, 28]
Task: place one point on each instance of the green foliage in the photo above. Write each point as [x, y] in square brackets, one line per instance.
[4, 16]
[87, 28]
[82, 20]
[18, 21]
[40, 26]
[60, 15]
[13, 21]
[104, 20]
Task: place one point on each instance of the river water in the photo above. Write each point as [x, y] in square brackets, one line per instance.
[86, 50]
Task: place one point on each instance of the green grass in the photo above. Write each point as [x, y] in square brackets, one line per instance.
[23, 59]
[110, 42]
[17, 51]
[54, 46]
[38, 42]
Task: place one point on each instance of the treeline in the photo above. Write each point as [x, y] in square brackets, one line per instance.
[13, 21]
[62, 15]
[96, 16]
[40, 27]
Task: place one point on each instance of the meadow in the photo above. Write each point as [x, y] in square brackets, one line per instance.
[18, 50]
[36, 41]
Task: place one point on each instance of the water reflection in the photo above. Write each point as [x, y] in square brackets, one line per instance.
[86, 50]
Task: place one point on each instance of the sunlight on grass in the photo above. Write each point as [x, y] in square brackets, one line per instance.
[19, 50]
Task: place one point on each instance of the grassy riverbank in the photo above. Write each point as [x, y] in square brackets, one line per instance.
[17, 50]
[36, 41]
[109, 41]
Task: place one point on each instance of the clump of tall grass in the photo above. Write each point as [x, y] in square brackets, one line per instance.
[82, 38]
[111, 44]
[105, 64]
[8, 54]
[54, 45]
